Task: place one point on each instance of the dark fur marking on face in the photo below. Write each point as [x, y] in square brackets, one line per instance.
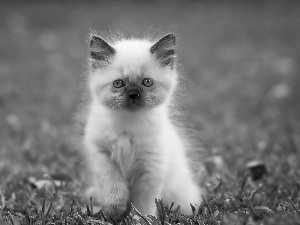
[146, 97]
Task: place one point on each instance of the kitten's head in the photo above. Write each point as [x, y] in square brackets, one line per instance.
[133, 74]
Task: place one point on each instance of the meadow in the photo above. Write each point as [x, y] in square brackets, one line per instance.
[240, 66]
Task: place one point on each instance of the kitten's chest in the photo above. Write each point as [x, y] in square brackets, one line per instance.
[126, 151]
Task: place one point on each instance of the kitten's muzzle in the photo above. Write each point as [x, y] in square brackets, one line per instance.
[134, 94]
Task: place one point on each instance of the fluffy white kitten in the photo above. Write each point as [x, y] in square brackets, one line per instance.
[134, 152]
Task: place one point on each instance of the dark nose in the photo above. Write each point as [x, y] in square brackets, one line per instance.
[134, 94]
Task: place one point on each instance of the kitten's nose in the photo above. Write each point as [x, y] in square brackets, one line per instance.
[133, 94]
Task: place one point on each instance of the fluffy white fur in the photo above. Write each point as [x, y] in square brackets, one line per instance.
[135, 156]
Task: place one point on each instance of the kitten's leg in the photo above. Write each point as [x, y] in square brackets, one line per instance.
[188, 193]
[144, 191]
[181, 189]
[108, 185]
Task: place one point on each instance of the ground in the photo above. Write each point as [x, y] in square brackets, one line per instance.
[239, 62]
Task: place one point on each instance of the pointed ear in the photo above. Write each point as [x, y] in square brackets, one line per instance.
[164, 50]
[100, 50]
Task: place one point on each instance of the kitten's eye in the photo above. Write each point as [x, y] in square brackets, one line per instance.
[118, 83]
[147, 82]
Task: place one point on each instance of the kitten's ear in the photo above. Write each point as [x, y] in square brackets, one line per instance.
[100, 50]
[164, 50]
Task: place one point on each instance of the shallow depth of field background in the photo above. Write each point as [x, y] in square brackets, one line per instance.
[241, 60]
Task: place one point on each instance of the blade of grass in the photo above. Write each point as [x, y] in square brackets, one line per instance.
[91, 200]
[140, 215]
[49, 208]
[2, 199]
[207, 205]
[88, 211]
[293, 205]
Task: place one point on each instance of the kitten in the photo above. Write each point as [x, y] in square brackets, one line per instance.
[134, 152]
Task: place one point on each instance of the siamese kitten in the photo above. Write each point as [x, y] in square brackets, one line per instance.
[134, 151]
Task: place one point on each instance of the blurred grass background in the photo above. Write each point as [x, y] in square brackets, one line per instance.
[242, 58]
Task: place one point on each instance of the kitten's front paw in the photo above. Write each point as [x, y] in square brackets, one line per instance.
[118, 204]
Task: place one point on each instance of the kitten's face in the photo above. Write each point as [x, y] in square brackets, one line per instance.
[133, 74]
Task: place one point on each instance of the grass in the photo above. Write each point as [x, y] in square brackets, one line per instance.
[240, 61]
[237, 201]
